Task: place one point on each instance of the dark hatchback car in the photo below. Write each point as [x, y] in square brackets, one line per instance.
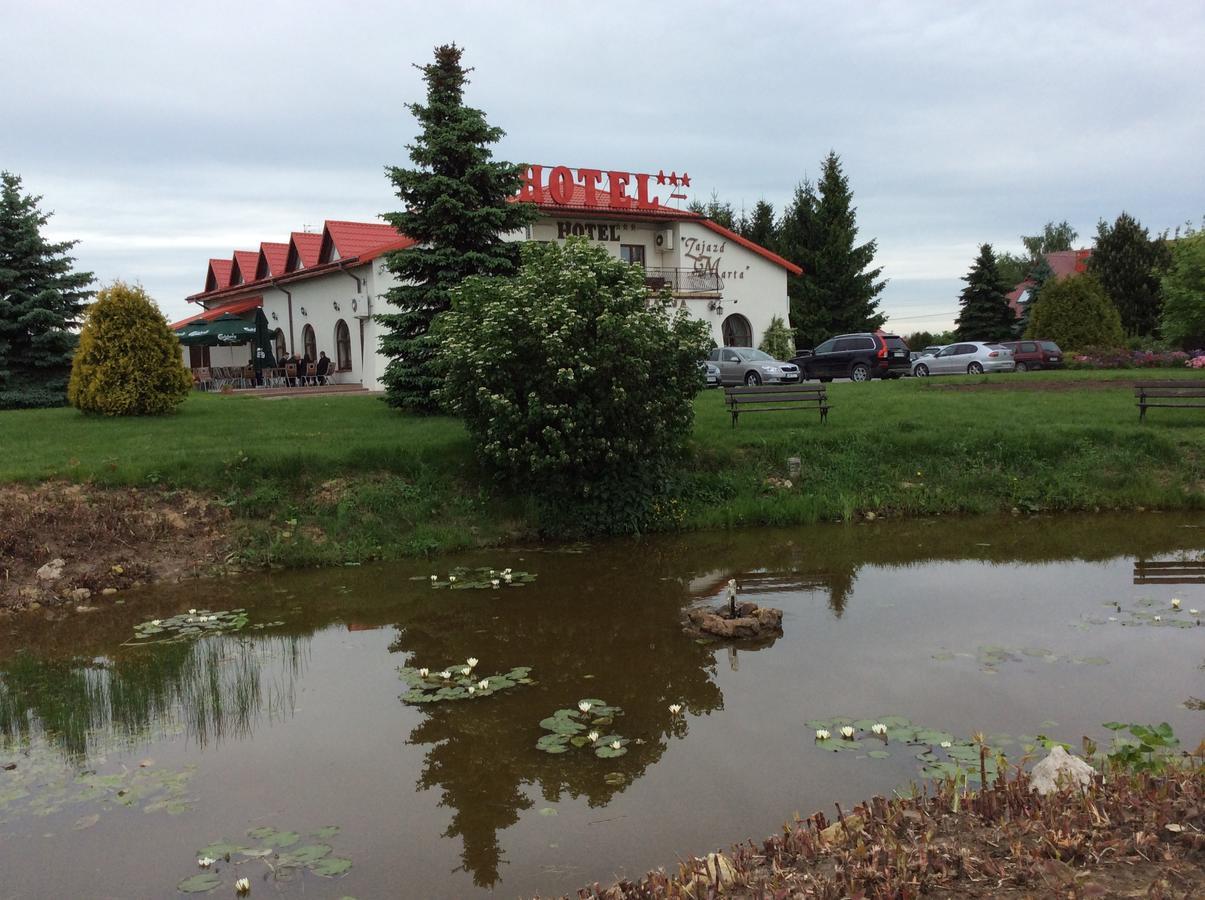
[859, 357]
[1030, 355]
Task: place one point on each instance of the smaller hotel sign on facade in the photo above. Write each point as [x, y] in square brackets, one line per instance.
[560, 185]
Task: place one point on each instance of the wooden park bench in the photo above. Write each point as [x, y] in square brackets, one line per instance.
[1169, 395]
[776, 397]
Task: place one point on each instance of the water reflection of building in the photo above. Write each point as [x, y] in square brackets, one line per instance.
[209, 689]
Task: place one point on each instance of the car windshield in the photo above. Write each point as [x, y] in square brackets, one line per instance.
[757, 356]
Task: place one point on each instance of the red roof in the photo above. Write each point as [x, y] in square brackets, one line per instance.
[244, 263]
[749, 245]
[218, 275]
[1063, 263]
[303, 250]
[348, 239]
[272, 258]
[238, 306]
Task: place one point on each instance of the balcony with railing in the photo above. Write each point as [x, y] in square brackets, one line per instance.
[683, 282]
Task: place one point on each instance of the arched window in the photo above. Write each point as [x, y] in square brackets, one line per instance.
[310, 343]
[281, 348]
[737, 331]
[342, 347]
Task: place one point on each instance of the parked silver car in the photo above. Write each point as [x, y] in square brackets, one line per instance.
[966, 358]
[711, 374]
[745, 365]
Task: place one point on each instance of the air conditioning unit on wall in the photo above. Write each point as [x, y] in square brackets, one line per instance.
[664, 240]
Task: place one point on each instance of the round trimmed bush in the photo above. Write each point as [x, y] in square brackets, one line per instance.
[128, 361]
[1075, 313]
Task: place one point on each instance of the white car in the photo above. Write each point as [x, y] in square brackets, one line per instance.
[966, 358]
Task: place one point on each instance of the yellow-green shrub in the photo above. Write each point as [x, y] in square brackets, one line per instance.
[128, 362]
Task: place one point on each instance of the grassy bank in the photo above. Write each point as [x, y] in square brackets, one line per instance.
[344, 478]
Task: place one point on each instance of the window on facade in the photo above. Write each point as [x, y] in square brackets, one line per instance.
[281, 348]
[737, 331]
[342, 346]
[632, 253]
[310, 343]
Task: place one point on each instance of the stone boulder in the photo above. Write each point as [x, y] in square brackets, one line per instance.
[52, 571]
[750, 622]
[1060, 769]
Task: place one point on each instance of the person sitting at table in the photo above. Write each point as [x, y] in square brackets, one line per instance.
[324, 366]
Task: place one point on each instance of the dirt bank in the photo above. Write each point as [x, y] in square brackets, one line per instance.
[1135, 836]
[73, 543]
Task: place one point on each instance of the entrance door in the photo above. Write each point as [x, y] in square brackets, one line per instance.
[737, 331]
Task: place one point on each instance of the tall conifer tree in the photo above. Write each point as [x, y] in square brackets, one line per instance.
[985, 314]
[457, 206]
[41, 301]
[1128, 265]
[838, 291]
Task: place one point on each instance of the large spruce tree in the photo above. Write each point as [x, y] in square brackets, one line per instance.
[984, 314]
[838, 291]
[1128, 265]
[456, 205]
[41, 300]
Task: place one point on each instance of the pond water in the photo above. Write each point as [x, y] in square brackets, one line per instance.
[119, 763]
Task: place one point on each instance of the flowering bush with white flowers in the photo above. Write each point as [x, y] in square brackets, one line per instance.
[575, 385]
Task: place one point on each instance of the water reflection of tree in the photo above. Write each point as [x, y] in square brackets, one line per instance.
[624, 632]
[211, 689]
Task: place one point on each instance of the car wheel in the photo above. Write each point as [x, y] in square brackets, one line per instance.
[1021, 367]
[921, 371]
[753, 379]
[859, 372]
[974, 369]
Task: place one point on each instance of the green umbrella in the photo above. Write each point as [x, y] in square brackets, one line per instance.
[264, 357]
[226, 330]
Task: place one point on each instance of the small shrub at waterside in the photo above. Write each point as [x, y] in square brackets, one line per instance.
[576, 389]
[128, 362]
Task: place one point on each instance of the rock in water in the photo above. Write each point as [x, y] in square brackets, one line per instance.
[1060, 769]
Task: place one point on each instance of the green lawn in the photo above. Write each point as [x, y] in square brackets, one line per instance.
[344, 478]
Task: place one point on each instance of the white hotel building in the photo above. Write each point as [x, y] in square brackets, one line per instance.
[319, 292]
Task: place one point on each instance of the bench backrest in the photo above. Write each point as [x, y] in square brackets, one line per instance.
[1169, 389]
[775, 393]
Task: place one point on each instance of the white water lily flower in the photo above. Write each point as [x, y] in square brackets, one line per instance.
[435, 578]
[494, 582]
[242, 886]
[445, 674]
[1194, 612]
[472, 690]
[206, 861]
[946, 745]
[878, 728]
[615, 745]
[483, 683]
[466, 671]
[822, 734]
[192, 612]
[451, 578]
[847, 731]
[593, 736]
[506, 577]
[506, 571]
[1175, 603]
[1158, 618]
[583, 706]
[675, 708]
[155, 621]
[471, 661]
[423, 672]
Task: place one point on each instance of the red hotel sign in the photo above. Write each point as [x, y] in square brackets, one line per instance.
[560, 183]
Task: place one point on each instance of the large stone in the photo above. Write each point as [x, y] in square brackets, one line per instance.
[52, 571]
[1060, 769]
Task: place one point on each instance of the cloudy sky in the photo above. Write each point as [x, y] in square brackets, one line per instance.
[161, 134]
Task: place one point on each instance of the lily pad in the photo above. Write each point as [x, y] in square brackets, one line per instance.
[220, 850]
[331, 866]
[879, 754]
[201, 883]
[304, 856]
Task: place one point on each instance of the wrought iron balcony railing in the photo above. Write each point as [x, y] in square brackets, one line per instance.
[683, 281]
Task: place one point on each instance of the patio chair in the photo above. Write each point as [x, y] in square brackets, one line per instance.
[290, 374]
[202, 378]
[311, 374]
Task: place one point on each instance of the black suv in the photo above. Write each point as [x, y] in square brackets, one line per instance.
[859, 357]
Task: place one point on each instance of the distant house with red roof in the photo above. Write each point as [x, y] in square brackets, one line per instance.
[320, 291]
[1063, 263]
